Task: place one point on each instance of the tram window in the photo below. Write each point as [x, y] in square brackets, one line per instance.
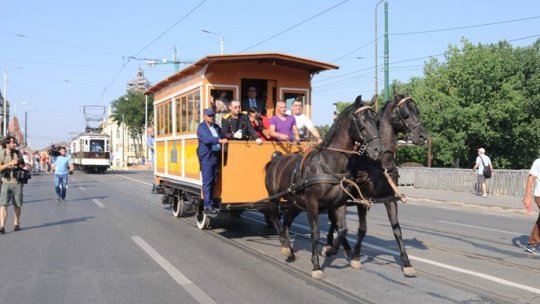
[164, 117]
[290, 97]
[185, 112]
[188, 111]
[179, 102]
[196, 110]
[225, 95]
[97, 145]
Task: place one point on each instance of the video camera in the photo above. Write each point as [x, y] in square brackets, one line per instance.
[21, 175]
[53, 151]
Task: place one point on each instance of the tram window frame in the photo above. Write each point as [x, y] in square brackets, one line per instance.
[164, 118]
[188, 111]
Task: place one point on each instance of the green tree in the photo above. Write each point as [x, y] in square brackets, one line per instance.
[130, 109]
[482, 96]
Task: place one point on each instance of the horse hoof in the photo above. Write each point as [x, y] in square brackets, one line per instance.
[317, 274]
[324, 250]
[409, 271]
[285, 251]
[356, 264]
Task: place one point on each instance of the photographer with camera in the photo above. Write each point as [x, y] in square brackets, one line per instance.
[62, 166]
[13, 176]
[261, 124]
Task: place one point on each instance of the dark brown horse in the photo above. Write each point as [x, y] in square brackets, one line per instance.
[398, 116]
[315, 182]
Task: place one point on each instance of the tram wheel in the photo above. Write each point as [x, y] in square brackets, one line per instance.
[203, 220]
[178, 206]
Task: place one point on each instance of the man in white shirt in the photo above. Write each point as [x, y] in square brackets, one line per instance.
[303, 123]
[482, 161]
[533, 182]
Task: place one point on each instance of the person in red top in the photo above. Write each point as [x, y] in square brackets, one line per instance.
[260, 123]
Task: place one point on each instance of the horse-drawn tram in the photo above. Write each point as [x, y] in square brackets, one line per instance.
[179, 101]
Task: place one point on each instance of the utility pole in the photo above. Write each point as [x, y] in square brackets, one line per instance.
[376, 60]
[26, 129]
[386, 55]
[153, 62]
[5, 104]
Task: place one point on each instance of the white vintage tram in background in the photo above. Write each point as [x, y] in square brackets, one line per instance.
[90, 152]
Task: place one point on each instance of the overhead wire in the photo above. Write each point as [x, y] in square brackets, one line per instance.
[294, 26]
[124, 63]
[61, 43]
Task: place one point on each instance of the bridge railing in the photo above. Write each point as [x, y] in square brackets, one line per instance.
[503, 182]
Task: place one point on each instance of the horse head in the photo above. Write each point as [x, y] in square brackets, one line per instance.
[363, 129]
[406, 119]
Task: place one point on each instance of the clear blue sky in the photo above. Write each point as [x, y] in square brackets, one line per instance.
[72, 51]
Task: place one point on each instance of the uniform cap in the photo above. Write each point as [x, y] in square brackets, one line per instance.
[209, 112]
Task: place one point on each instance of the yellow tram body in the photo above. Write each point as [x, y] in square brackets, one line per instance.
[180, 99]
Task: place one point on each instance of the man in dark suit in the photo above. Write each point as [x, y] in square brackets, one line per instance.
[253, 102]
[209, 152]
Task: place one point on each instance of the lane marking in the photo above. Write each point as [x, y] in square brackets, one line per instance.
[82, 188]
[438, 264]
[178, 276]
[134, 179]
[483, 228]
[98, 203]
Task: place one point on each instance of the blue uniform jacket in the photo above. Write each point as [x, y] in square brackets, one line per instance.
[206, 140]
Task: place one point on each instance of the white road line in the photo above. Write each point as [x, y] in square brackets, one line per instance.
[178, 276]
[82, 188]
[98, 203]
[483, 228]
[134, 179]
[442, 265]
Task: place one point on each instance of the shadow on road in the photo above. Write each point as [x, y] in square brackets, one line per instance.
[62, 222]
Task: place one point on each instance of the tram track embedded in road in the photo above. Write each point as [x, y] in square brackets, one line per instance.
[305, 276]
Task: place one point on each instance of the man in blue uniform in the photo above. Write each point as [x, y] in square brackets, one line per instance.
[209, 152]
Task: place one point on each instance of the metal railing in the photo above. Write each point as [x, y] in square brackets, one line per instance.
[503, 182]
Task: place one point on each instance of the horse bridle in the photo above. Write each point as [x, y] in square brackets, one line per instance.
[400, 103]
[360, 148]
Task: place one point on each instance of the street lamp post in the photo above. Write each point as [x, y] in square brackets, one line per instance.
[5, 104]
[5, 101]
[221, 40]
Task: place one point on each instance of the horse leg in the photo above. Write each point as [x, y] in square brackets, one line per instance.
[362, 230]
[340, 224]
[288, 219]
[274, 218]
[392, 211]
[313, 218]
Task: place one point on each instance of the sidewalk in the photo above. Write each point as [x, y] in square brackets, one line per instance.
[464, 199]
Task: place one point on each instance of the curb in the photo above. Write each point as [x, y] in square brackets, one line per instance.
[470, 205]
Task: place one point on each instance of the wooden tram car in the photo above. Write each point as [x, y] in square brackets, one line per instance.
[178, 104]
[90, 151]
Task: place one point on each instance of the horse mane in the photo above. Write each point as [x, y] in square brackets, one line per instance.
[342, 116]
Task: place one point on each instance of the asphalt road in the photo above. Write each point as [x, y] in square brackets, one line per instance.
[112, 241]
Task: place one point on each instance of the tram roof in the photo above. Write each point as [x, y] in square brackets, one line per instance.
[312, 66]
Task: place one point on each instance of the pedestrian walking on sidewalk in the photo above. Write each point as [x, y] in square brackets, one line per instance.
[483, 161]
[533, 182]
